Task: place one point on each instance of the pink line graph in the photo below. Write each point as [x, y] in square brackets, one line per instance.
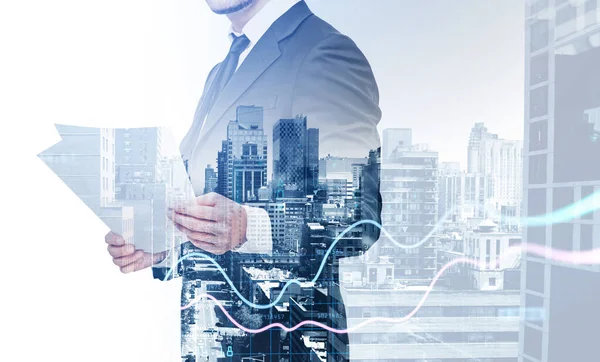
[590, 257]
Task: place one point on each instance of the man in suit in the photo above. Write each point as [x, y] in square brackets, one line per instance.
[288, 61]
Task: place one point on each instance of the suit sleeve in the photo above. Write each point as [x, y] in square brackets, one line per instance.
[337, 92]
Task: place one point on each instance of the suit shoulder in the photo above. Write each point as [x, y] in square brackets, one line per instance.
[314, 31]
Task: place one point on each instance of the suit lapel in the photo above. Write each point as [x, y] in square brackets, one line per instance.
[260, 58]
[264, 53]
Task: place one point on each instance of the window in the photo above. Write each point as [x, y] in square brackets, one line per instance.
[534, 309]
[562, 236]
[587, 191]
[537, 169]
[539, 35]
[487, 246]
[538, 102]
[537, 6]
[562, 197]
[538, 136]
[586, 241]
[536, 202]
[565, 15]
[492, 282]
[535, 276]
[532, 340]
[538, 69]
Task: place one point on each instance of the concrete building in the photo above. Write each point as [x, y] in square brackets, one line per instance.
[562, 73]
[463, 195]
[495, 250]
[478, 134]
[409, 191]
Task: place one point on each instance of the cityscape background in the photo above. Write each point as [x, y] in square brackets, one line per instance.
[549, 175]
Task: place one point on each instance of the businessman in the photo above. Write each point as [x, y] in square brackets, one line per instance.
[292, 65]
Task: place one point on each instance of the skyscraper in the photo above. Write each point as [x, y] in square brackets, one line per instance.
[249, 174]
[561, 168]
[248, 128]
[409, 192]
[479, 133]
[222, 169]
[289, 157]
[210, 179]
[251, 116]
[312, 160]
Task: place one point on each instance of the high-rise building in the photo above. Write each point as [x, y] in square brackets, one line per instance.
[409, 192]
[462, 195]
[312, 160]
[139, 181]
[249, 173]
[251, 116]
[222, 169]
[289, 157]
[562, 67]
[394, 137]
[240, 132]
[210, 179]
[502, 161]
[479, 133]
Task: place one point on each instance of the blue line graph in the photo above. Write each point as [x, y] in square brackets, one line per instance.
[573, 211]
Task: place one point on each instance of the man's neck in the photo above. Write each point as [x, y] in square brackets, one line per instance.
[241, 18]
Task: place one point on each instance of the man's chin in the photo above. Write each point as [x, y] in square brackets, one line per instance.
[233, 9]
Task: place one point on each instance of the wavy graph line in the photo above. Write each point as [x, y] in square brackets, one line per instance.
[577, 257]
[578, 209]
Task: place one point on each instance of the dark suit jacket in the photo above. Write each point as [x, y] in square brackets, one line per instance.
[301, 65]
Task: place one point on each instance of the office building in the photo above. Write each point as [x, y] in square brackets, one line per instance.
[249, 173]
[312, 160]
[409, 192]
[562, 68]
[210, 179]
[478, 134]
[289, 157]
[248, 129]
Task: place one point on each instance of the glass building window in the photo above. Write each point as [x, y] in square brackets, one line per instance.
[532, 341]
[538, 102]
[538, 69]
[535, 276]
[538, 136]
[562, 236]
[587, 191]
[539, 35]
[537, 169]
[586, 241]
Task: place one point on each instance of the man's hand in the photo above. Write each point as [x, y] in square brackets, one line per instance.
[127, 258]
[212, 222]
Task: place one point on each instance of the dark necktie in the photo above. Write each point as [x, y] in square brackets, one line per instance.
[224, 73]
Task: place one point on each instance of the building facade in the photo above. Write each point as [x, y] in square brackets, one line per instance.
[562, 68]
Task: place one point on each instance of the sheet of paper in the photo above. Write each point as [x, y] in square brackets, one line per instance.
[128, 177]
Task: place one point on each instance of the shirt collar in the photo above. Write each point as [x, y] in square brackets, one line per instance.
[262, 21]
